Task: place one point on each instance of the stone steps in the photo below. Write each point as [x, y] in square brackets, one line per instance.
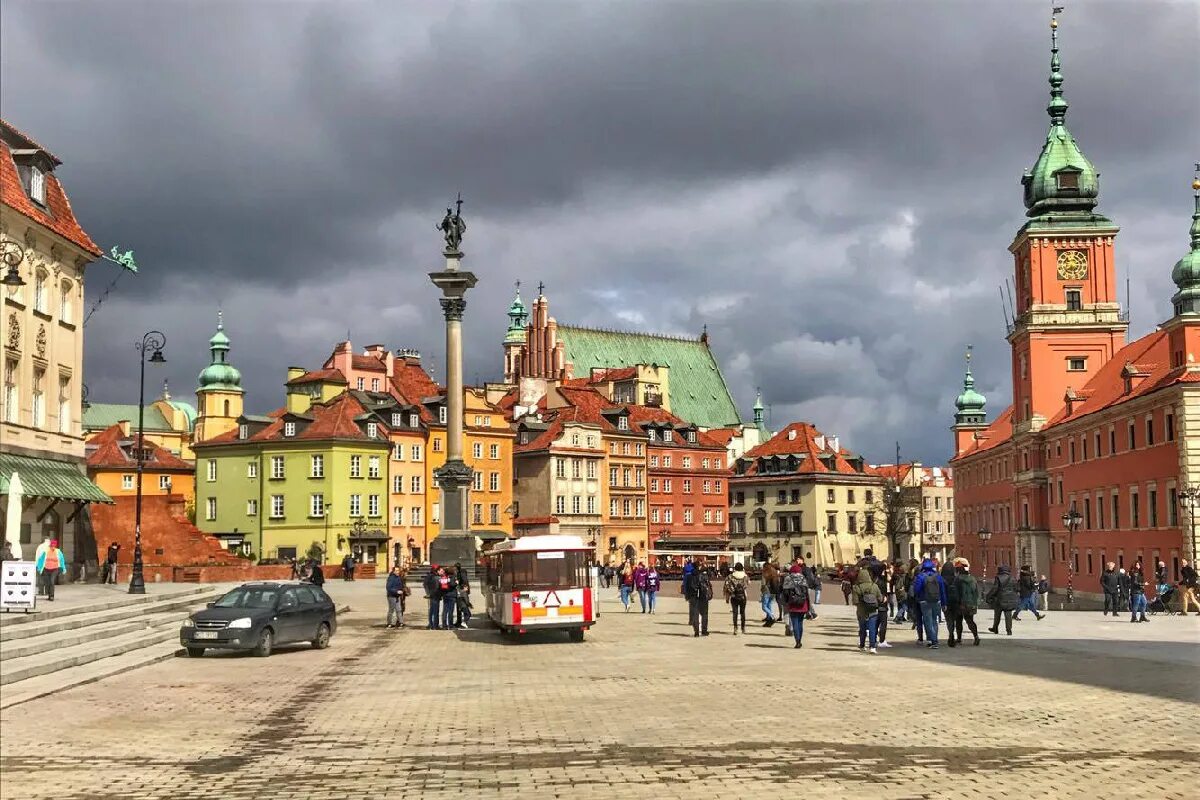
[41, 624]
[14, 670]
[50, 683]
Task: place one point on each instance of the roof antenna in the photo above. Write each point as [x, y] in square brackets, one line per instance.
[1012, 303]
[1004, 310]
[1128, 302]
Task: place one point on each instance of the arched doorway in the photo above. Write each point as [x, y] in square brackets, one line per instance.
[630, 552]
[761, 552]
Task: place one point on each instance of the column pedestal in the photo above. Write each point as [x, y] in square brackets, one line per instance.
[455, 543]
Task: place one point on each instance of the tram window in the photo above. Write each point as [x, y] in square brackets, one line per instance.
[527, 571]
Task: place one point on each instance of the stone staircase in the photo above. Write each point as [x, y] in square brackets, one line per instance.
[56, 648]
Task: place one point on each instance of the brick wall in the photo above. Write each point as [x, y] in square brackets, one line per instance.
[168, 539]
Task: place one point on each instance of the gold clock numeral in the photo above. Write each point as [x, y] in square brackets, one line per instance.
[1072, 265]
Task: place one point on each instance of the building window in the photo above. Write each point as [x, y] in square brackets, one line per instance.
[1149, 431]
[251, 508]
[668, 435]
[591, 504]
[576, 504]
[477, 481]
[870, 522]
[356, 505]
[1135, 509]
[1074, 300]
[39, 293]
[164, 482]
[374, 384]
[477, 513]
[372, 430]
[687, 515]
[1172, 507]
[560, 467]
[252, 469]
[397, 452]
[668, 516]
[622, 423]
[1116, 511]
[211, 470]
[289, 429]
[612, 476]
[687, 462]
[1132, 435]
[1068, 180]
[397, 484]
[64, 405]
[442, 414]
[243, 431]
[831, 522]
[591, 469]
[612, 507]
[356, 466]
[760, 497]
[415, 514]
[1152, 503]
[666, 484]
[38, 410]
[687, 486]
[316, 505]
[127, 482]
[210, 509]
[654, 461]
[397, 419]
[415, 452]
[576, 468]
[316, 466]
[373, 505]
[477, 450]
[397, 515]
[414, 484]
[493, 481]
[560, 504]
[494, 452]
[10, 390]
[654, 484]
[277, 468]
[37, 186]
[360, 384]
[1076, 364]
[654, 515]
[276, 506]
[494, 514]
[852, 522]
[830, 496]
[372, 466]
[1169, 419]
[414, 420]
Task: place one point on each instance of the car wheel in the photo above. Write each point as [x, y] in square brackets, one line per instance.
[195, 652]
[322, 640]
[576, 635]
[265, 640]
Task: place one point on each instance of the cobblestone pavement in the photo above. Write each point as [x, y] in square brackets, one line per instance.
[640, 709]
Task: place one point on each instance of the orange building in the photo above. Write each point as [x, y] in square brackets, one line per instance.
[1097, 426]
[112, 465]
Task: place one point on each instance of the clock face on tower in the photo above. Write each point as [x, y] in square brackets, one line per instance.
[1072, 265]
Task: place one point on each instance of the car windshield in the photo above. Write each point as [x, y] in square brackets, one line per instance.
[249, 597]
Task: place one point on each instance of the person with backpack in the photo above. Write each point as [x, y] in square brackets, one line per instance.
[847, 584]
[1002, 597]
[795, 595]
[931, 590]
[653, 584]
[697, 588]
[639, 583]
[766, 598]
[1027, 589]
[867, 600]
[966, 592]
[735, 591]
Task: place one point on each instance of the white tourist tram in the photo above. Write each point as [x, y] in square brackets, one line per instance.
[541, 583]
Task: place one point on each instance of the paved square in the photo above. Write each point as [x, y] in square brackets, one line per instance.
[1074, 706]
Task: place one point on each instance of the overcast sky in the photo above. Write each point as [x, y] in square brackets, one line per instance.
[829, 186]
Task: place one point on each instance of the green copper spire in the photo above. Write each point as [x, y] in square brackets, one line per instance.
[219, 374]
[1186, 273]
[1062, 182]
[517, 318]
[758, 411]
[970, 403]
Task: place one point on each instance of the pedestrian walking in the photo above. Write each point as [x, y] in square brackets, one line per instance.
[868, 600]
[813, 579]
[914, 602]
[462, 586]
[931, 590]
[1027, 590]
[735, 591]
[348, 567]
[1044, 595]
[1123, 589]
[967, 592]
[1187, 587]
[777, 591]
[1161, 580]
[885, 612]
[1137, 594]
[626, 584]
[396, 591]
[639, 583]
[847, 584]
[48, 562]
[1110, 585]
[953, 603]
[898, 593]
[434, 597]
[689, 567]
[697, 588]
[447, 586]
[1002, 597]
[110, 562]
[653, 584]
[795, 596]
[766, 594]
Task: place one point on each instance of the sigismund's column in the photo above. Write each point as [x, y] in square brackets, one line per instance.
[455, 542]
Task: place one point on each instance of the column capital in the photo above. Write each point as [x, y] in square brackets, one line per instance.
[453, 308]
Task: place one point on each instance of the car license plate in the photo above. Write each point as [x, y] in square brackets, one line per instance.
[206, 635]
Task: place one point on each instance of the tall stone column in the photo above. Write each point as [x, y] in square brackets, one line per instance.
[455, 542]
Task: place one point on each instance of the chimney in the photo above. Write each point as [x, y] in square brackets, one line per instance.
[833, 444]
[124, 427]
[295, 372]
[819, 439]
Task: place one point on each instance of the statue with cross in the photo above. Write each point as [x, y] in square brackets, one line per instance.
[453, 226]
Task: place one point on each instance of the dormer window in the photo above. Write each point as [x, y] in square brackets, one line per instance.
[622, 423]
[243, 431]
[668, 435]
[372, 430]
[442, 414]
[37, 186]
[412, 420]
[1068, 179]
[397, 420]
[289, 429]
[652, 434]
[692, 437]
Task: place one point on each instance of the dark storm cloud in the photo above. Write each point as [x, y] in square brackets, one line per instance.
[829, 186]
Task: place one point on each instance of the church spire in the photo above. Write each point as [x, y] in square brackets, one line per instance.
[970, 403]
[1186, 273]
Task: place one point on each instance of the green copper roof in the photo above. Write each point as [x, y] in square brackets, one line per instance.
[1186, 273]
[1062, 180]
[219, 375]
[697, 389]
[188, 411]
[98, 416]
[970, 403]
[516, 320]
[41, 477]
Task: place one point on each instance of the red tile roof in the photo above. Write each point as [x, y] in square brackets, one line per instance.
[333, 420]
[894, 472]
[723, 435]
[413, 382]
[368, 363]
[804, 443]
[57, 216]
[994, 435]
[323, 375]
[112, 449]
[542, 440]
[640, 416]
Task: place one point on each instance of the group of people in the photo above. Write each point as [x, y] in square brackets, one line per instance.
[641, 579]
[1126, 591]
[448, 590]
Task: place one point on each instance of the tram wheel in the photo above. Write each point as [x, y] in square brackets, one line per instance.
[576, 635]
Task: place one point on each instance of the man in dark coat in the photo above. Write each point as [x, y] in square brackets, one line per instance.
[1110, 584]
[697, 588]
[1003, 598]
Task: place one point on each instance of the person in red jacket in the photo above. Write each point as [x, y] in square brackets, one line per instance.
[796, 598]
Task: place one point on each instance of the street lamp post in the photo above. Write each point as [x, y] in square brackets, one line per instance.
[1071, 521]
[153, 342]
[11, 254]
[984, 536]
[1189, 499]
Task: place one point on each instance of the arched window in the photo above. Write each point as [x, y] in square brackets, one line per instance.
[226, 414]
[64, 301]
[39, 291]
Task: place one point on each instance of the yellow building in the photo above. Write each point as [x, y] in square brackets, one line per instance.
[112, 465]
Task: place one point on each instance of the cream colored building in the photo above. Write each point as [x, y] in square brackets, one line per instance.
[41, 366]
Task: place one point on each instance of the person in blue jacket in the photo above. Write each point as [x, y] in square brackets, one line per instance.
[396, 590]
[930, 590]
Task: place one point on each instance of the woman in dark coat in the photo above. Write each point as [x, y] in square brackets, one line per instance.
[1003, 598]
